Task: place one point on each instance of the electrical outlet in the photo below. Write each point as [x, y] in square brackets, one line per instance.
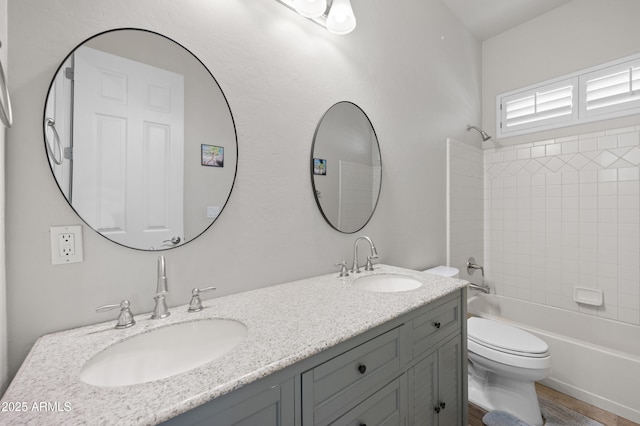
[66, 244]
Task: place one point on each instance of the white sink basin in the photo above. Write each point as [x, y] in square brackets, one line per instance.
[387, 283]
[163, 352]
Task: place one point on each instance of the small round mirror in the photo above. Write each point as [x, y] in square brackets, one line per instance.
[140, 139]
[346, 167]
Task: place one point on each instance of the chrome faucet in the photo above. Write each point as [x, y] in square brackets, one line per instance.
[374, 255]
[161, 310]
[480, 287]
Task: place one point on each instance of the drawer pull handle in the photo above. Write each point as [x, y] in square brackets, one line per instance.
[362, 368]
[437, 408]
[443, 405]
[437, 324]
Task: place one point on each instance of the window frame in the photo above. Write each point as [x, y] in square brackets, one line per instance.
[579, 113]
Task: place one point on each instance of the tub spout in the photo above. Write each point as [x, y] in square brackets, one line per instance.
[480, 287]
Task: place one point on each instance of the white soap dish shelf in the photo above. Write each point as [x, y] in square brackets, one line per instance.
[588, 296]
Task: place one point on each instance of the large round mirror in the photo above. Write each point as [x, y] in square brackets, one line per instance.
[346, 168]
[140, 139]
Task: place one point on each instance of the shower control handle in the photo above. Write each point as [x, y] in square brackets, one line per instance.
[443, 405]
[437, 409]
[472, 266]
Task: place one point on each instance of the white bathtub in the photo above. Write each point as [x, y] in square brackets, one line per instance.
[593, 359]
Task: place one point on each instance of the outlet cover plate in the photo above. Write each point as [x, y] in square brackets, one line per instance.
[63, 249]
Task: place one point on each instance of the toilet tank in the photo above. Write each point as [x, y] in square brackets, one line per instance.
[444, 271]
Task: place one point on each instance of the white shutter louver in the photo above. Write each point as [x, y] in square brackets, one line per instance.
[612, 89]
[537, 107]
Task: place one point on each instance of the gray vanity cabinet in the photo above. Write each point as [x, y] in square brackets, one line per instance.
[437, 379]
[450, 357]
[384, 408]
[264, 404]
[435, 388]
[338, 385]
[265, 409]
[408, 371]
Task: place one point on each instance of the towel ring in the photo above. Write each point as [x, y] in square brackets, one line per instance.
[50, 122]
[5, 103]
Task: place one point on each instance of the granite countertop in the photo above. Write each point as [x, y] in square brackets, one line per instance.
[286, 322]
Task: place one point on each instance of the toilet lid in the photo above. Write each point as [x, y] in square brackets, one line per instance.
[505, 338]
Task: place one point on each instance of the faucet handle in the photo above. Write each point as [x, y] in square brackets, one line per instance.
[344, 271]
[125, 318]
[472, 266]
[196, 303]
[369, 266]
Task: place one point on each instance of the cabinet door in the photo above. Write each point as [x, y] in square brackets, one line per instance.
[449, 383]
[435, 388]
[423, 392]
[263, 410]
[272, 407]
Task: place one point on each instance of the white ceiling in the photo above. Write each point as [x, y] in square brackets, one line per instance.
[487, 18]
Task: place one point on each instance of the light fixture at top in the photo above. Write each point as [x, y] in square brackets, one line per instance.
[341, 19]
[310, 8]
[335, 15]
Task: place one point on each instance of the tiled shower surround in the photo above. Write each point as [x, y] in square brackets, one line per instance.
[564, 213]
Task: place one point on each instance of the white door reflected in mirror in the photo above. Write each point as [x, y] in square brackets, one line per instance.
[130, 119]
[128, 148]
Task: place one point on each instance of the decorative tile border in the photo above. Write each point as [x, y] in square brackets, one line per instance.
[592, 153]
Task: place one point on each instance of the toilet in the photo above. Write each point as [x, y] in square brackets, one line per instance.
[504, 364]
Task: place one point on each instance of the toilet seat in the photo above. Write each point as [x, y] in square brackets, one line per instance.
[505, 338]
[506, 344]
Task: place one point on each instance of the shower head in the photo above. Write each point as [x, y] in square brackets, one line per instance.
[485, 135]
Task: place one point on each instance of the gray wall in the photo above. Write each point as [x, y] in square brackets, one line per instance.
[409, 64]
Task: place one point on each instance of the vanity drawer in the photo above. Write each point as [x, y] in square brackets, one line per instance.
[430, 328]
[383, 408]
[338, 385]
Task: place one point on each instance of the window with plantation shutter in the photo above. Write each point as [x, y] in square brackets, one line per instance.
[612, 89]
[603, 92]
[542, 106]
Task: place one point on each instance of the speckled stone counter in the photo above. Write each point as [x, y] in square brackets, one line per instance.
[287, 323]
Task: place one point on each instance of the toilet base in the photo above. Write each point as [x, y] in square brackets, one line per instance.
[493, 392]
